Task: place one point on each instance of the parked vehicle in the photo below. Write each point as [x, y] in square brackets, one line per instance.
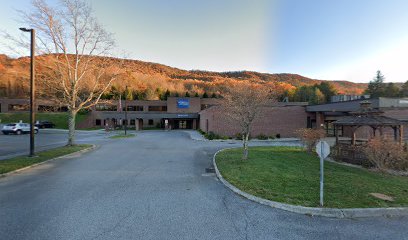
[17, 128]
[44, 124]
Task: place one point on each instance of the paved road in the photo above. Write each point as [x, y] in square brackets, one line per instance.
[154, 186]
[14, 145]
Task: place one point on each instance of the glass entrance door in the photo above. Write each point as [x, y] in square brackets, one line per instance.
[182, 124]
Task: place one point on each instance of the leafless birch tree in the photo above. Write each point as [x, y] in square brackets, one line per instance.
[243, 104]
[73, 49]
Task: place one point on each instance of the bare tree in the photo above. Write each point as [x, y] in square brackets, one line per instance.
[243, 103]
[73, 48]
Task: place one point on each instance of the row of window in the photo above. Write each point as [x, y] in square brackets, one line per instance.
[41, 108]
[102, 107]
[132, 122]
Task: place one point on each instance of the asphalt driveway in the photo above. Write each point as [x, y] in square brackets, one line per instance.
[154, 186]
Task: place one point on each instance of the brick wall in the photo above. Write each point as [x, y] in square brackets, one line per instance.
[283, 120]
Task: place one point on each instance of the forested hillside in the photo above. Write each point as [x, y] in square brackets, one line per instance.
[151, 80]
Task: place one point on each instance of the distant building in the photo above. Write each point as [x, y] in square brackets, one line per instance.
[344, 98]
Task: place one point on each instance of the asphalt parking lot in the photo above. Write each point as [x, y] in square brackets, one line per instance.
[155, 186]
[13, 145]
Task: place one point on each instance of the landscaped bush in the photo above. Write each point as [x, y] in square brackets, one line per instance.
[310, 137]
[238, 136]
[386, 154]
[262, 137]
[201, 131]
[212, 136]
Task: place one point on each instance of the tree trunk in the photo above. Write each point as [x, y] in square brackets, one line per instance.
[71, 128]
[245, 138]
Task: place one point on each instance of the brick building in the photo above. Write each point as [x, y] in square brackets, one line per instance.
[282, 118]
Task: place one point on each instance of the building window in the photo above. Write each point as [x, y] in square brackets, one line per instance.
[157, 108]
[132, 122]
[62, 109]
[134, 108]
[104, 107]
[150, 122]
[45, 108]
[98, 122]
[18, 107]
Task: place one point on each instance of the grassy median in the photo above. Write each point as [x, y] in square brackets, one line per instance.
[290, 175]
[15, 163]
[122, 135]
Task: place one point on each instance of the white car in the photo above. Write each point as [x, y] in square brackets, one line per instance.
[17, 128]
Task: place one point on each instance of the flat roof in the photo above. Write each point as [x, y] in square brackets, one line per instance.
[346, 106]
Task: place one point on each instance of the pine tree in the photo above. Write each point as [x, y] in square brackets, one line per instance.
[376, 87]
[205, 95]
[196, 95]
[327, 89]
[187, 94]
[166, 95]
[213, 95]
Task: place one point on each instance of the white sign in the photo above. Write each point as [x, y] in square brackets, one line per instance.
[322, 149]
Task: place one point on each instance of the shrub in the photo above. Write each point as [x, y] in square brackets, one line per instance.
[310, 137]
[278, 135]
[238, 136]
[212, 136]
[262, 137]
[386, 154]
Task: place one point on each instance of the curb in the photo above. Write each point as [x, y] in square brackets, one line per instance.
[276, 140]
[314, 211]
[49, 160]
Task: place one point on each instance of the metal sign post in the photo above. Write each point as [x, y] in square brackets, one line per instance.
[323, 150]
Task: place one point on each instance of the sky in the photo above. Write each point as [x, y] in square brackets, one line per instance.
[321, 39]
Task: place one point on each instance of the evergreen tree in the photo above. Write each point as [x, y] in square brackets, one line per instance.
[213, 95]
[205, 95]
[177, 94]
[391, 90]
[376, 87]
[196, 95]
[166, 95]
[327, 89]
[187, 94]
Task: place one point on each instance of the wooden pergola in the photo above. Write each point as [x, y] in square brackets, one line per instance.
[376, 122]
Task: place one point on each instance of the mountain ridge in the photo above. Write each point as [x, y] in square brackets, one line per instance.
[149, 75]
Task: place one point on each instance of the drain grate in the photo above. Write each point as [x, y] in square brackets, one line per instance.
[210, 170]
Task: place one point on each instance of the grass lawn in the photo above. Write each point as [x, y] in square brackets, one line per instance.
[122, 135]
[59, 119]
[15, 163]
[290, 175]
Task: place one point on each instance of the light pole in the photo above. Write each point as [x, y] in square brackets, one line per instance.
[32, 88]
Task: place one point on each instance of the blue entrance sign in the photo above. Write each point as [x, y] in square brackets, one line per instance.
[183, 103]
